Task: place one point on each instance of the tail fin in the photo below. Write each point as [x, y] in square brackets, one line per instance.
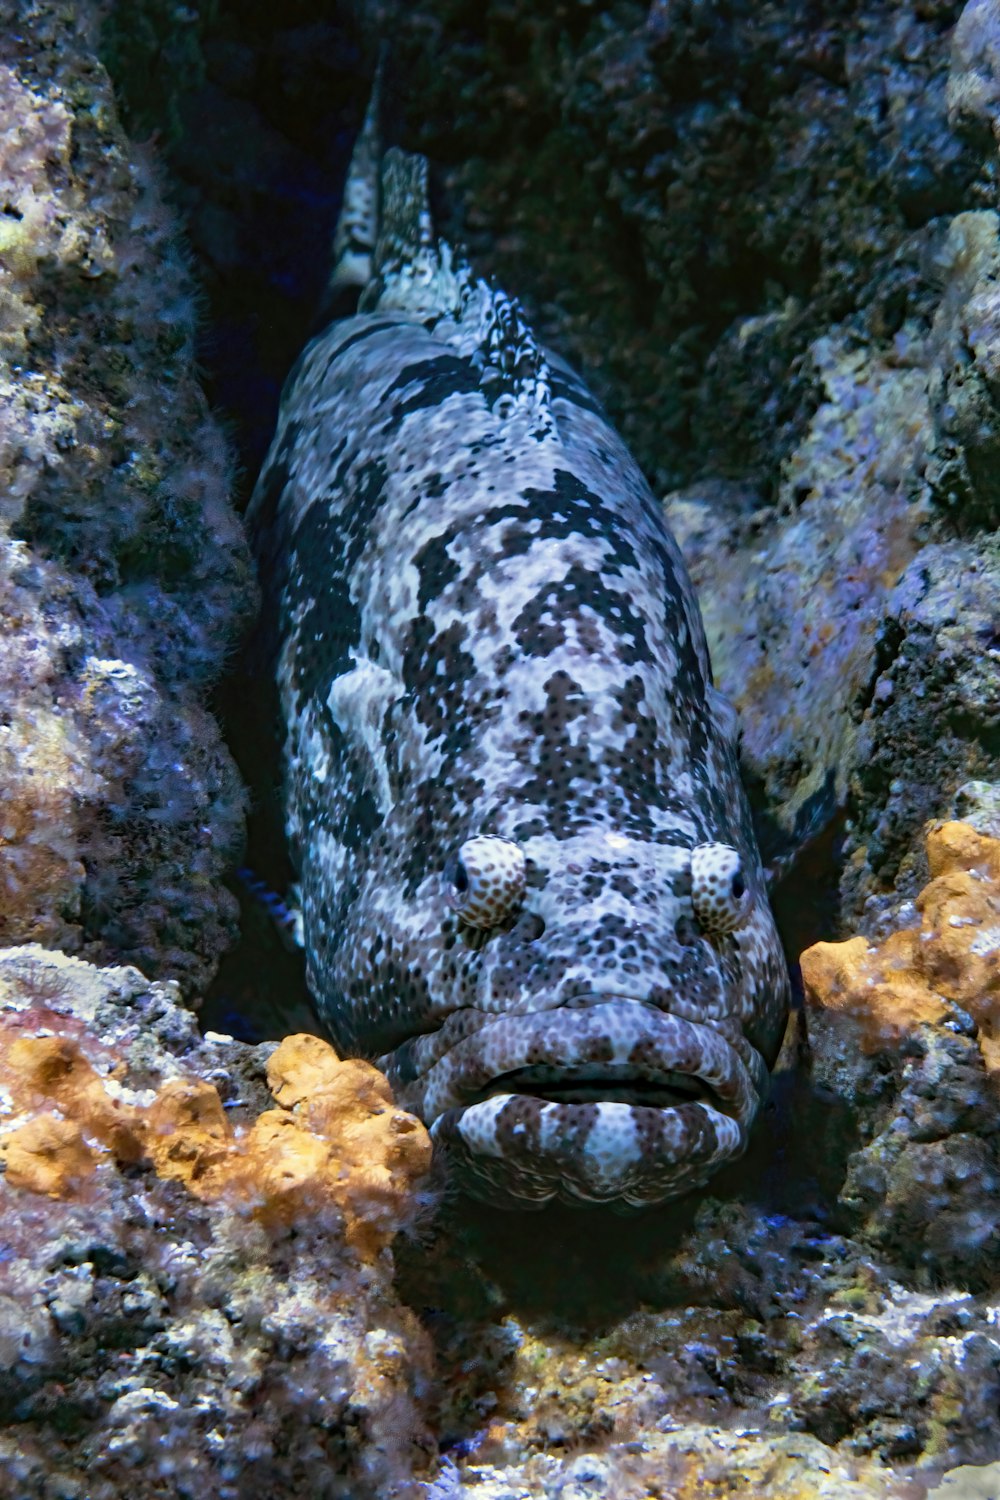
[386, 246]
[358, 225]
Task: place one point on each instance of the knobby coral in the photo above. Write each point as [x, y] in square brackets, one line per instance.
[919, 973]
[336, 1139]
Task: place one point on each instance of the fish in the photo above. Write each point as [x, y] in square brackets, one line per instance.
[528, 880]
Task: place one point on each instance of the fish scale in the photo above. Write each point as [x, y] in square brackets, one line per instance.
[492, 668]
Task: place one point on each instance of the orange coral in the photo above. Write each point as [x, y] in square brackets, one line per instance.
[336, 1141]
[47, 1154]
[894, 986]
[53, 1069]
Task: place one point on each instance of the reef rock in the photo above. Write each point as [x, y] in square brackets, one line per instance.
[931, 722]
[124, 577]
[689, 1463]
[908, 1029]
[195, 1288]
[832, 623]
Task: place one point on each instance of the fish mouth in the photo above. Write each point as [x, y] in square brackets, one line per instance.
[614, 1101]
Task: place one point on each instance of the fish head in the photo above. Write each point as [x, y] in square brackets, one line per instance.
[601, 1011]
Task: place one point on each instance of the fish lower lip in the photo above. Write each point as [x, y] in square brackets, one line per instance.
[609, 1102]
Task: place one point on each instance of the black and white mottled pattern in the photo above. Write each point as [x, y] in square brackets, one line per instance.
[487, 632]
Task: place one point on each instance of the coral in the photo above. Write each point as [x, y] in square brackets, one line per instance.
[195, 1288]
[124, 576]
[891, 988]
[340, 1144]
[926, 1000]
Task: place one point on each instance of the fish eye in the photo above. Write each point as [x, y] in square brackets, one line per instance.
[719, 891]
[487, 881]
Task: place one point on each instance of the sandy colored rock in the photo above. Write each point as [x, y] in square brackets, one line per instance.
[47, 1154]
[173, 1244]
[879, 986]
[958, 847]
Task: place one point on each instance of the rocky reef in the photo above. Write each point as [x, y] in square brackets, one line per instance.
[823, 1323]
[769, 234]
[124, 576]
[195, 1285]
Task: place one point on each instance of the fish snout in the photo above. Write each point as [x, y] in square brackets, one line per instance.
[607, 1101]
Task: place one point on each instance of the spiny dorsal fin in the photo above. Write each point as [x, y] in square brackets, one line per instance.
[515, 370]
[386, 246]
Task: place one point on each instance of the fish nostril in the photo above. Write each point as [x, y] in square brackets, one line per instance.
[531, 927]
[687, 932]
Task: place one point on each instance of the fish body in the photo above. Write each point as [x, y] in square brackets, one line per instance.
[529, 883]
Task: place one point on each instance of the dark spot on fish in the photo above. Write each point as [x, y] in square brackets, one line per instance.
[436, 379]
[367, 331]
[362, 820]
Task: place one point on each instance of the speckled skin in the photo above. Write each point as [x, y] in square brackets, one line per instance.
[486, 628]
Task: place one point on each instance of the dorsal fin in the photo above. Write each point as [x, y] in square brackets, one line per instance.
[413, 271]
[386, 247]
[515, 370]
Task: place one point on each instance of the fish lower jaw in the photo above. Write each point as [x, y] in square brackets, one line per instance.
[523, 1151]
[612, 1103]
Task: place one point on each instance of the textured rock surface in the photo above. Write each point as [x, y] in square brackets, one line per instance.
[768, 233]
[923, 999]
[932, 720]
[124, 577]
[195, 1289]
[693, 1463]
[808, 603]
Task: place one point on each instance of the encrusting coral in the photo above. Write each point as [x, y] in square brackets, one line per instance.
[909, 978]
[335, 1140]
[906, 1034]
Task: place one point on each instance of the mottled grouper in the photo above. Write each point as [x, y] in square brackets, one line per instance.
[529, 884]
